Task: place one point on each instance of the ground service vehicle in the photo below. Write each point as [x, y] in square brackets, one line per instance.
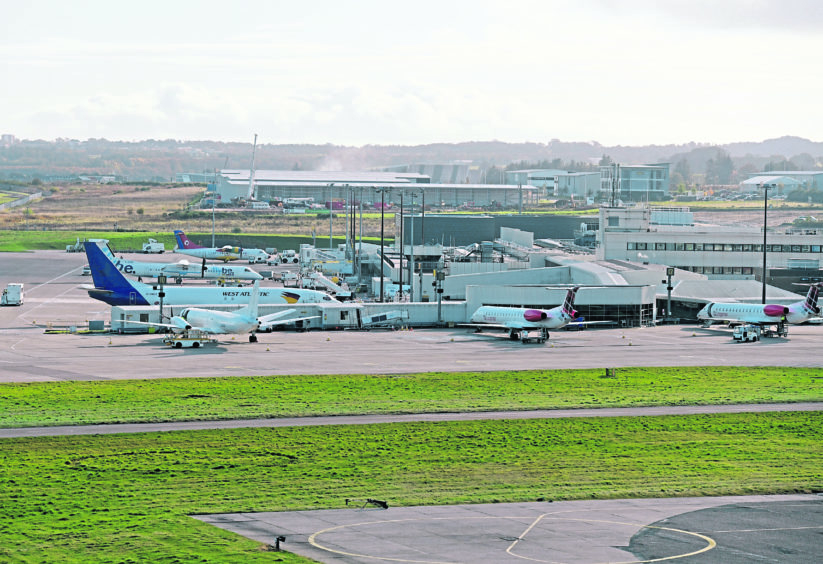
[12, 295]
[289, 256]
[191, 339]
[747, 333]
[153, 247]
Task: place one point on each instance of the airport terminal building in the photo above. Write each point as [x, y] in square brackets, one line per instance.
[670, 237]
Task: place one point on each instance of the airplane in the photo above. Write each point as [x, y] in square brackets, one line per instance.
[212, 322]
[521, 321]
[763, 314]
[226, 253]
[180, 269]
[111, 287]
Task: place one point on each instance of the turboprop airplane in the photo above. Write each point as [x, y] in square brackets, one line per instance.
[226, 253]
[180, 269]
[763, 315]
[212, 322]
[521, 321]
[112, 287]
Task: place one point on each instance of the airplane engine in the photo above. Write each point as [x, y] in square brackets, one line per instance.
[535, 315]
[775, 310]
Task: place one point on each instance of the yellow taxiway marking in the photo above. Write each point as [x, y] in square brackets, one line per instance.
[710, 543]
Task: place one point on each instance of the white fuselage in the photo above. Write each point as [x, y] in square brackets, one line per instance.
[219, 322]
[185, 269]
[521, 318]
[756, 313]
[224, 253]
[222, 296]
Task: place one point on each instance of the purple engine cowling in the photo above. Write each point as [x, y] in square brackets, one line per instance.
[535, 315]
[773, 310]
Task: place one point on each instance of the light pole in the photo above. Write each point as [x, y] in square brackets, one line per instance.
[382, 260]
[402, 249]
[765, 214]
[411, 252]
[331, 214]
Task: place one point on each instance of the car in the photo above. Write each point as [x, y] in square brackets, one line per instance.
[86, 271]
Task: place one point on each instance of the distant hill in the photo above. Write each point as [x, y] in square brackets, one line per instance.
[160, 160]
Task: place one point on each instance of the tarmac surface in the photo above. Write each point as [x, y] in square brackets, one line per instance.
[731, 530]
[55, 299]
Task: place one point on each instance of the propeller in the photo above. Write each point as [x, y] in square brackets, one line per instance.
[203, 269]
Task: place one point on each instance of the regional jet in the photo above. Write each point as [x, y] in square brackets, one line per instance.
[763, 314]
[226, 253]
[521, 321]
[178, 270]
[243, 320]
[111, 287]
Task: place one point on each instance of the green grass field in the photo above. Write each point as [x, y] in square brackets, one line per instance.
[126, 498]
[68, 403]
[20, 241]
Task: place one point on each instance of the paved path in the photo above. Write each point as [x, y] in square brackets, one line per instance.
[10, 433]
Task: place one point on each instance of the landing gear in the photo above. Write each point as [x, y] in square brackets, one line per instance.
[514, 335]
[252, 338]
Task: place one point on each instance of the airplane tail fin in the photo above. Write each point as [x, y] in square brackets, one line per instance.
[811, 298]
[183, 242]
[103, 272]
[251, 309]
[568, 304]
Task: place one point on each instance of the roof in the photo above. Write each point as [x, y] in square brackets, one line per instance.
[321, 176]
[744, 291]
[758, 180]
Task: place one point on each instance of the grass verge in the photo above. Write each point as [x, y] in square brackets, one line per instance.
[182, 399]
[126, 498]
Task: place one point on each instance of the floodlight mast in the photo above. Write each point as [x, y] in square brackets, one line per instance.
[251, 170]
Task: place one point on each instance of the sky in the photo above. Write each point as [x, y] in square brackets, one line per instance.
[618, 72]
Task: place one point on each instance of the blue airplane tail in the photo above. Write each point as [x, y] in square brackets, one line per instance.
[110, 285]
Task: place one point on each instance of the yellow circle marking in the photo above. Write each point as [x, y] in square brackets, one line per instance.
[710, 543]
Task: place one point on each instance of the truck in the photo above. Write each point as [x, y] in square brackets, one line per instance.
[746, 333]
[12, 295]
[153, 247]
[289, 256]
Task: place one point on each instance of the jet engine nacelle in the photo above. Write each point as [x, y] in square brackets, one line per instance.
[534, 315]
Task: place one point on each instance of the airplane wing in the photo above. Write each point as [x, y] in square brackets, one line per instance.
[173, 326]
[271, 322]
[507, 326]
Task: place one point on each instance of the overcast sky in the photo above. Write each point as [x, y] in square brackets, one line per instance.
[621, 72]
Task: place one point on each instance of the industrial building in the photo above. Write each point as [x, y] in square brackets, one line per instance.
[636, 183]
[323, 187]
[808, 179]
[556, 183]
